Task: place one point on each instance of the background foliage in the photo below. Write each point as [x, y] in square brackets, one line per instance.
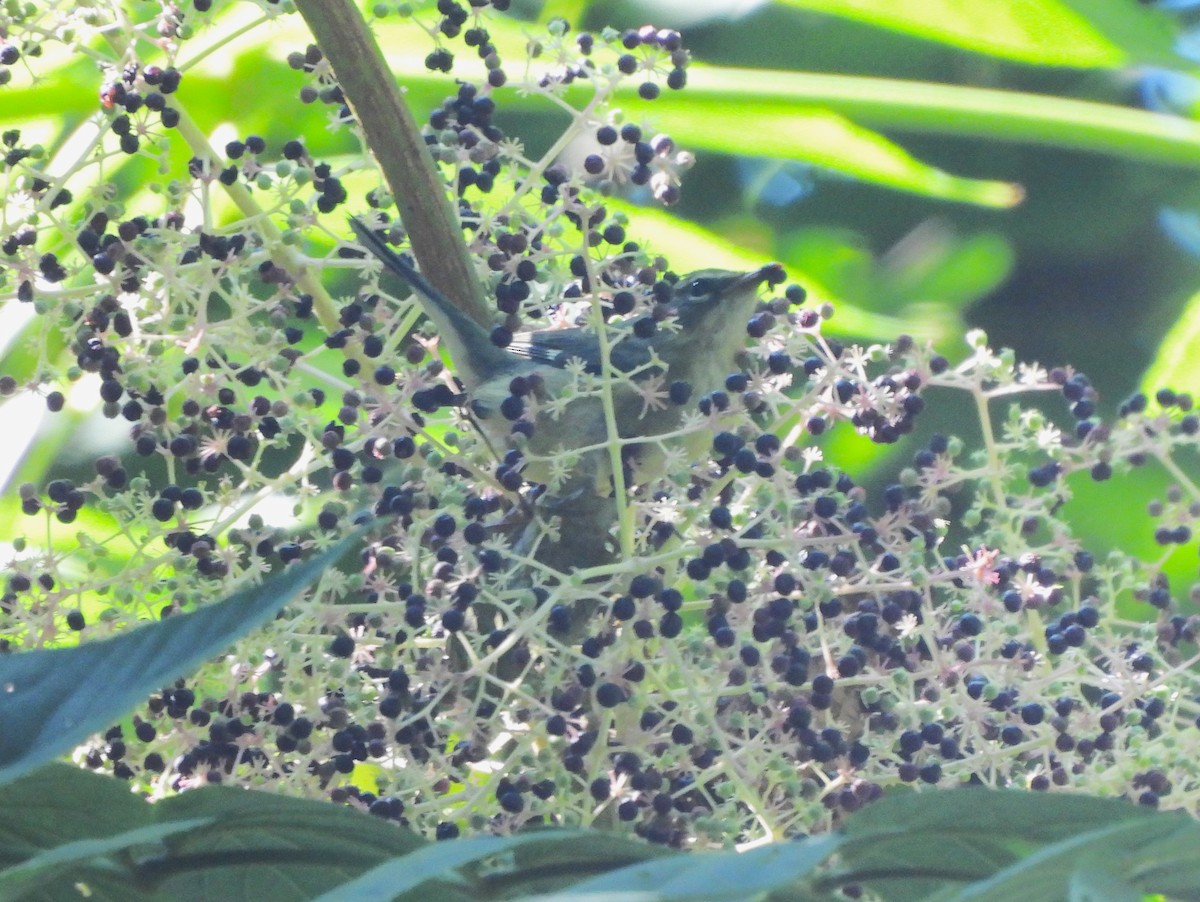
[923, 167]
[1095, 266]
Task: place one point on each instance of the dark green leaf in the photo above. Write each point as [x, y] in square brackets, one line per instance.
[59, 804]
[715, 876]
[411, 876]
[54, 698]
[997, 843]
[1045, 875]
[36, 871]
[991, 814]
[62, 826]
[1095, 883]
[260, 845]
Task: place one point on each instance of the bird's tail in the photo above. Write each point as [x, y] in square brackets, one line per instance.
[400, 267]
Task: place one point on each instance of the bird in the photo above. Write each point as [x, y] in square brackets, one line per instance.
[693, 356]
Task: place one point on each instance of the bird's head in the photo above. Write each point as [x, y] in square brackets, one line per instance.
[715, 301]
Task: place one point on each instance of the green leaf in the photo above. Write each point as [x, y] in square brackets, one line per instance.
[1145, 33]
[1169, 866]
[523, 863]
[1093, 882]
[260, 845]
[1042, 32]
[944, 268]
[556, 864]
[714, 876]
[1045, 875]
[59, 804]
[1177, 362]
[1000, 815]
[932, 267]
[922, 106]
[735, 119]
[1001, 844]
[51, 699]
[62, 826]
[35, 871]
[411, 876]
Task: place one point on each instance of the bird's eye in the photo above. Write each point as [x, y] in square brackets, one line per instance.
[699, 288]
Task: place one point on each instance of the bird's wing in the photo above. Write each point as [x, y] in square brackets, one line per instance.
[556, 347]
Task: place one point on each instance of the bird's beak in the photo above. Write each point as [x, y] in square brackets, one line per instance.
[772, 274]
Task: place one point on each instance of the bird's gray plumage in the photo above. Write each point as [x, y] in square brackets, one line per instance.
[710, 309]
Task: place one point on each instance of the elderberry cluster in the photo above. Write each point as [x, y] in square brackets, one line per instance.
[781, 641]
[822, 660]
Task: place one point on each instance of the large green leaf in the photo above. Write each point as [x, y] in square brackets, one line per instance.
[424, 872]
[1177, 363]
[813, 135]
[522, 864]
[60, 804]
[716, 876]
[1145, 33]
[994, 844]
[999, 816]
[1040, 32]
[1041, 876]
[931, 272]
[958, 110]
[62, 828]
[54, 698]
[49, 867]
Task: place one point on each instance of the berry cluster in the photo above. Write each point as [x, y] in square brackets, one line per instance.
[783, 643]
[136, 90]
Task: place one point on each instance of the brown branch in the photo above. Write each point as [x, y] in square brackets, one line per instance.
[395, 139]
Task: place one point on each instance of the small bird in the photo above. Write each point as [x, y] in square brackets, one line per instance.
[710, 308]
